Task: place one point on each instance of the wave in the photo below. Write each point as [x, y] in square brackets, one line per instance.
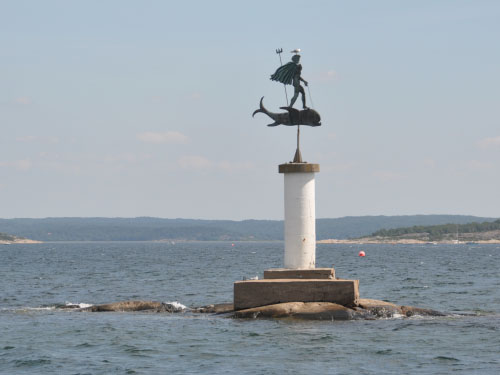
[176, 306]
[71, 305]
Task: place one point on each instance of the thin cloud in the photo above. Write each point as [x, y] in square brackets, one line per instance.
[126, 158]
[195, 95]
[341, 166]
[157, 99]
[231, 166]
[429, 163]
[170, 137]
[325, 76]
[386, 175]
[200, 162]
[477, 165]
[23, 100]
[195, 162]
[332, 136]
[489, 142]
[22, 165]
[32, 138]
[330, 75]
[26, 138]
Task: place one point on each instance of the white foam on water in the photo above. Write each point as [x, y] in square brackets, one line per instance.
[391, 317]
[424, 317]
[398, 316]
[45, 308]
[176, 305]
[80, 305]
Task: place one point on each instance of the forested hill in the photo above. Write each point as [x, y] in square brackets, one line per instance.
[150, 229]
[6, 237]
[470, 231]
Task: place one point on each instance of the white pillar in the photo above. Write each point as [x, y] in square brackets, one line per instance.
[300, 215]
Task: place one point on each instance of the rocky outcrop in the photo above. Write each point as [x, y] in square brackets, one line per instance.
[411, 311]
[379, 309]
[367, 309]
[300, 310]
[135, 306]
[220, 308]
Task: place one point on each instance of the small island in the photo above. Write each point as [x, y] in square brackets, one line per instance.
[8, 239]
[480, 233]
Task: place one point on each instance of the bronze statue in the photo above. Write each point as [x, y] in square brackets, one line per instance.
[290, 74]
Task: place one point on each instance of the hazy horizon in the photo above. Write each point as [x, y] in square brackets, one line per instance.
[224, 219]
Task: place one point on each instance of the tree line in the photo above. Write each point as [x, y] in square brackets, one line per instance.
[6, 237]
[437, 231]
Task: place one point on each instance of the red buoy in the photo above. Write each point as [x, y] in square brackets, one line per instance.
[361, 253]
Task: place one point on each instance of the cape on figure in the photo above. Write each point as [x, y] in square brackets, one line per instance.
[290, 74]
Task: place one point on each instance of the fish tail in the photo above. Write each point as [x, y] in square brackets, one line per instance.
[257, 111]
[262, 109]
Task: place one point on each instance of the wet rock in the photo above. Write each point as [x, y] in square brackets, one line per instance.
[411, 311]
[302, 310]
[135, 306]
[367, 309]
[220, 308]
[380, 309]
[67, 306]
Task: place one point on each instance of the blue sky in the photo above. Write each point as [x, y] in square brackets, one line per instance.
[143, 108]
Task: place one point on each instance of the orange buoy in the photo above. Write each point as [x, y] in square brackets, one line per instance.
[361, 253]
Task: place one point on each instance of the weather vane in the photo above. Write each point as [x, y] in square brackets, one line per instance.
[291, 74]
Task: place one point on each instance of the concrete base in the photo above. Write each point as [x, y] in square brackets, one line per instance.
[285, 273]
[255, 293]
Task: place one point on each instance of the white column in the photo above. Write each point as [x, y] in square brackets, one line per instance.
[300, 215]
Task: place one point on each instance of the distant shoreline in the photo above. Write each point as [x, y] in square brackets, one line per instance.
[366, 241]
[18, 241]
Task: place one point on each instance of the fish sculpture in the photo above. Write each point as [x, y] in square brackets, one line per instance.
[292, 116]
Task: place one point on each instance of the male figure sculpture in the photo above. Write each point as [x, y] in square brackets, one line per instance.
[290, 74]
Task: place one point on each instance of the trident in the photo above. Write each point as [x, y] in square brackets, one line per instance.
[279, 51]
[298, 156]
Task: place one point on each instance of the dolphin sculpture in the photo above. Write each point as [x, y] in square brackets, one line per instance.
[292, 117]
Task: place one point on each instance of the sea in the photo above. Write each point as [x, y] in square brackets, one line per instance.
[39, 337]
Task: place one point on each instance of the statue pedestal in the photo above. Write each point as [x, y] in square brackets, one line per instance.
[299, 280]
[300, 215]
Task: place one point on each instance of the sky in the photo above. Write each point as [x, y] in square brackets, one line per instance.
[144, 108]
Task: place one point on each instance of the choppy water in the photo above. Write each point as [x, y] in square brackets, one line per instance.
[35, 338]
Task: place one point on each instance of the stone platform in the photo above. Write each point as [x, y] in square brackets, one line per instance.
[282, 285]
[256, 293]
[314, 273]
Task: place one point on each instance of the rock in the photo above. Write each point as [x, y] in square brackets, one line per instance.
[220, 308]
[134, 306]
[67, 306]
[380, 309]
[301, 310]
[411, 311]
[368, 309]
